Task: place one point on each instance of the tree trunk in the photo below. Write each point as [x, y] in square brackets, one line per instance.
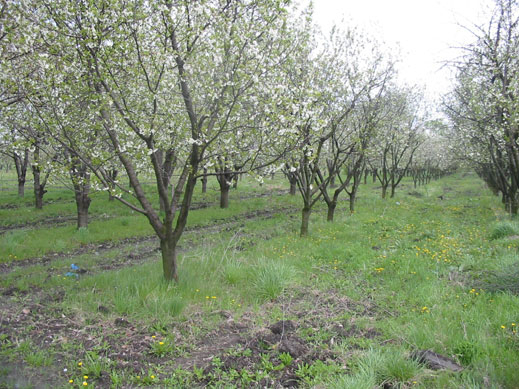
[168, 248]
[513, 204]
[80, 177]
[293, 187]
[305, 220]
[113, 176]
[204, 181]
[384, 191]
[162, 205]
[38, 197]
[332, 181]
[21, 188]
[82, 204]
[224, 177]
[39, 187]
[353, 197]
[224, 195]
[393, 187]
[21, 170]
[331, 211]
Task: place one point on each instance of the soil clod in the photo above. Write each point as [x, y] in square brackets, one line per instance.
[283, 326]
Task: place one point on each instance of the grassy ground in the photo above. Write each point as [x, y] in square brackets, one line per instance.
[256, 305]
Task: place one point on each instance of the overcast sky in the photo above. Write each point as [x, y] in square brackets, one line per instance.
[426, 31]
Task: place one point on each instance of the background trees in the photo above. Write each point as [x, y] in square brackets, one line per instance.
[398, 138]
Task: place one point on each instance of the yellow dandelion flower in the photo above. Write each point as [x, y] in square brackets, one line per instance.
[503, 327]
[85, 383]
[85, 377]
[80, 364]
[70, 381]
[152, 377]
[161, 343]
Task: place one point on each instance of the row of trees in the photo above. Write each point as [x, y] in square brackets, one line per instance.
[484, 106]
[178, 90]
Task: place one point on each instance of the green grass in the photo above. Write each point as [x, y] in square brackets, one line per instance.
[404, 274]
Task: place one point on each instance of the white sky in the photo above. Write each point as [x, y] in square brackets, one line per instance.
[425, 30]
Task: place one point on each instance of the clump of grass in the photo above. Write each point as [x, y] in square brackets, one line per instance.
[504, 229]
[379, 368]
[397, 370]
[271, 279]
[233, 272]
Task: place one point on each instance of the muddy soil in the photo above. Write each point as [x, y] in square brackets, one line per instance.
[237, 343]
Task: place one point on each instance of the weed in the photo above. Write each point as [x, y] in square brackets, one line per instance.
[286, 359]
[39, 358]
[94, 364]
[162, 348]
[466, 352]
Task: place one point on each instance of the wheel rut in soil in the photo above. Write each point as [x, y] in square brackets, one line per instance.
[138, 248]
[59, 221]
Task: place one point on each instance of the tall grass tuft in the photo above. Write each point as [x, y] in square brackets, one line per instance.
[504, 229]
[271, 279]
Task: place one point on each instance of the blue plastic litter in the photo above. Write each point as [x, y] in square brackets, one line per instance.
[74, 267]
[70, 274]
